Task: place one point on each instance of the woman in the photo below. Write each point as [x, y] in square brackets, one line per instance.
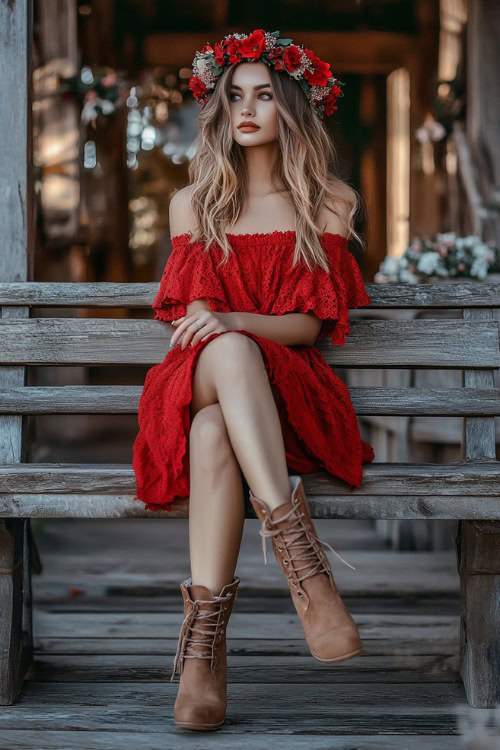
[244, 398]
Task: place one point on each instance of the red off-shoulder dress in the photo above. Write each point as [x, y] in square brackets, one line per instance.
[319, 424]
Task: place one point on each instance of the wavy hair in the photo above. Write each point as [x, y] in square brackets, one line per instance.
[307, 170]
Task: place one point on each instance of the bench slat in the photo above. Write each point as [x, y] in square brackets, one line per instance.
[445, 344]
[367, 401]
[114, 294]
[360, 507]
[476, 478]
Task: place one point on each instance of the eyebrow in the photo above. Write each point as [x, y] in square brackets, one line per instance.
[260, 86]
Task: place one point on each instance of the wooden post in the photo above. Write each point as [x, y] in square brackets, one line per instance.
[16, 264]
[478, 559]
[483, 104]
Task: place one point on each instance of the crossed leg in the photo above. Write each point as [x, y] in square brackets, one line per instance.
[235, 425]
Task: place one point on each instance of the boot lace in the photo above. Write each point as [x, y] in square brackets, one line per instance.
[293, 540]
[187, 643]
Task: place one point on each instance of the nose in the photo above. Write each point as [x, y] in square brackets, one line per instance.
[246, 110]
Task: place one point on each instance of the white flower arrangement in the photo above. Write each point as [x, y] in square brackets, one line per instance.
[443, 255]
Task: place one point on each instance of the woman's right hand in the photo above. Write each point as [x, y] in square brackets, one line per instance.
[200, 324]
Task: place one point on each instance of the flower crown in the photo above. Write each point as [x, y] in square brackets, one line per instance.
[313, 75]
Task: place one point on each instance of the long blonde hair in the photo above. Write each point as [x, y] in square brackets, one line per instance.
[306, 169]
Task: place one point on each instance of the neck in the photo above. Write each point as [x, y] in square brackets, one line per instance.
[259, 161]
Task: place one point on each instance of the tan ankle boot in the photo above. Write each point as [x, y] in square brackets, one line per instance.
[201, 653]
[329, 629]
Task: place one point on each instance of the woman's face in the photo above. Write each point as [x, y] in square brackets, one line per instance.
[251, 99]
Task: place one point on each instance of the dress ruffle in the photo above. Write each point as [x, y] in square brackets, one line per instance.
[189, 274]
[328, 295]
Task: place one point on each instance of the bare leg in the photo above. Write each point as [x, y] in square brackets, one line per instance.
[231, 371]
[216, 503]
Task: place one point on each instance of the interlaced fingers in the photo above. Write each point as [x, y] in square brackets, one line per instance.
[187, 643]
[269, 528]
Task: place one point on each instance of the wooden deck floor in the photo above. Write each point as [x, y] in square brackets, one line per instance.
[107, 619]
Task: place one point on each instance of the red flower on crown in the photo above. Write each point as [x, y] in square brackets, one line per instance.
[321, 73]
[316, 79]
[197, 86]
[254, 45]
[292, 58]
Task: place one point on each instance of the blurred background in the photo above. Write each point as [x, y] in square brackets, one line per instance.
[114, 125]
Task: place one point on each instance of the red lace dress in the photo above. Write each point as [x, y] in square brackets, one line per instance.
[318, 420]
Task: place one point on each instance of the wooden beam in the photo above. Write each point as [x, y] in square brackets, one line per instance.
[16, 265]
[367, 400]
[449, 344]
[111, 294]
[456, 478]
[478, 558]
[347, 51]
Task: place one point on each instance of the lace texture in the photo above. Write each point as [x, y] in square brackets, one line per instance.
[318, 421]
[189, 274]
[328, 295]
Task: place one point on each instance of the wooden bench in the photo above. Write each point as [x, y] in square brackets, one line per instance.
[468, 491]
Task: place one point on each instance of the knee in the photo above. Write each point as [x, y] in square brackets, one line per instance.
[209, 439]
[233, 353]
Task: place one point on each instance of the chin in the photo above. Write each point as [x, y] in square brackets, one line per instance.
[256, 139]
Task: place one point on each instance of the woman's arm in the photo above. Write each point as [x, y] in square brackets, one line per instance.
[291, 329]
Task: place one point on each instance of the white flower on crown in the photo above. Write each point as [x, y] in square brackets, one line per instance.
[201, 65]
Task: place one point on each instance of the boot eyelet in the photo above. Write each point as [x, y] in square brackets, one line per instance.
[294, 583]
[299, 593]
[280, 549]
[285, 561]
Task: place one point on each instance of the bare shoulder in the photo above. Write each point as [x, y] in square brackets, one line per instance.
[344, 198]
[181, 216]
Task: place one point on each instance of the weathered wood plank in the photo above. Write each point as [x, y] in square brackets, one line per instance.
[248, 669]
[16, 263]
[112, 294]
[424, 582]
[260, 625]
[463, 478]
[478, 551]
[478, 557]
[56, 740]
[15, 635]
[478, 432]
[352, 708]
[124, 399]
[92, 505]
[427, 645]
[446, 344]
[164, 597]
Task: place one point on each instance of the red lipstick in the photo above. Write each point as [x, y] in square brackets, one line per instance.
[247, 126]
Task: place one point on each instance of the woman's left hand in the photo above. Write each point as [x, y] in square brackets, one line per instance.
[209, 322]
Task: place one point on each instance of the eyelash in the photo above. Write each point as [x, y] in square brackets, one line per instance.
[265, 93]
